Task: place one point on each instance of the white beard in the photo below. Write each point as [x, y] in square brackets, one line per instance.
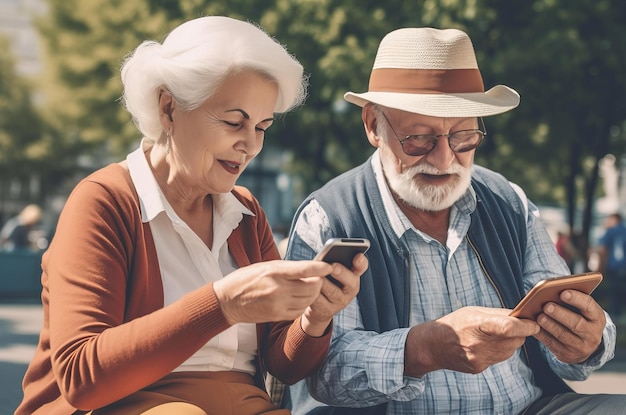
[409, 186]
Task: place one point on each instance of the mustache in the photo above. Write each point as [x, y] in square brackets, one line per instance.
[427, 168]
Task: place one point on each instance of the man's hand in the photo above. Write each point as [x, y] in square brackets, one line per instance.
[571, 336]
[333, 298]
[467, 340]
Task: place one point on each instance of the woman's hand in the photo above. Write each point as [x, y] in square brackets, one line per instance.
[272, 290]
[333, 298]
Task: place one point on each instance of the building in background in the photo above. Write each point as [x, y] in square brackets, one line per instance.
[17, 24]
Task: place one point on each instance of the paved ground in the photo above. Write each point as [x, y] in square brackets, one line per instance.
[20, 323]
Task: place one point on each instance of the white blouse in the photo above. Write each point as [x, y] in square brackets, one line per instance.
[186, 263]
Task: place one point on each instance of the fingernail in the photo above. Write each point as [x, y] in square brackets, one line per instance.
[550, 309]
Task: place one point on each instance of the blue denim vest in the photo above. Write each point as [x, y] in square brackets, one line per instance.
[497, 234]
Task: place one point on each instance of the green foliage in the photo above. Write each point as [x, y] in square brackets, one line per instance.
[85, 44]
[564, 57]
[566, 61]
[21, 144]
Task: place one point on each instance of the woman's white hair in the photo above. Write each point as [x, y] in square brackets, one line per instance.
[193, 61]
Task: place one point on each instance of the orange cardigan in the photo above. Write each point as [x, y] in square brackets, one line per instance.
[106, 333]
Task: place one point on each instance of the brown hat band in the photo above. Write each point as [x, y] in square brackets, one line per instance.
[426, 81]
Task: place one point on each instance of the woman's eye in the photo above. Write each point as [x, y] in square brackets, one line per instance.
[232, 124]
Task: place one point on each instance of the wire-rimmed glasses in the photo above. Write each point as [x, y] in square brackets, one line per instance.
[459, 141]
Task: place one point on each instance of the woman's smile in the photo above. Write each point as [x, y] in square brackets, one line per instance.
[232, 167]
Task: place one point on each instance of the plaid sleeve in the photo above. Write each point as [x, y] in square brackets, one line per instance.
[543, 261]
[363, 368]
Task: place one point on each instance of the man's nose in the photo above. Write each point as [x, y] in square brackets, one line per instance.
[441, 156]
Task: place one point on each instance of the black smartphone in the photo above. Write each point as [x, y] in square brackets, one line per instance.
[550, 289]
[342, 250]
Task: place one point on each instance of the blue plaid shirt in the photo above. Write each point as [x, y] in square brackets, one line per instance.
[366, 368]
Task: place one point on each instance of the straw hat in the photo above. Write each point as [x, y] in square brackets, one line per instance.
[432, 72]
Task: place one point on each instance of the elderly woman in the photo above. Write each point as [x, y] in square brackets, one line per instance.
[162, 280]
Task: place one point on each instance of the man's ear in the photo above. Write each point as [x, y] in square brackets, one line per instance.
[371, 124]
[166, 109]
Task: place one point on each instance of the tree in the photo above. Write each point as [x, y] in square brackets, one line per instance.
[22, 143]
[565, 59]
[85, 44]
[86, 40]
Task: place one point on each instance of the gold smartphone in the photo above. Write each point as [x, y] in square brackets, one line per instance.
[550, 289]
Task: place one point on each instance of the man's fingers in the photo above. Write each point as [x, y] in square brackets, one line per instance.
[586, 305]
[360, 264]
[499, 324]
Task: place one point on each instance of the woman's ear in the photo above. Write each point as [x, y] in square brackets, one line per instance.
[371, 124]
[166, 109]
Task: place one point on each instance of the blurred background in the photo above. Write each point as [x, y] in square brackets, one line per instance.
[61, 118]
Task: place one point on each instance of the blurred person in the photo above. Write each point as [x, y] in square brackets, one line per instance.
[612, 262]
[566, 249]
[455, 246]
[162, 280]
[16, 234]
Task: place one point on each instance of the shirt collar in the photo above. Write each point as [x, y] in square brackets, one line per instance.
[153, 201]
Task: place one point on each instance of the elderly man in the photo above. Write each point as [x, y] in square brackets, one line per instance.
[454, 247]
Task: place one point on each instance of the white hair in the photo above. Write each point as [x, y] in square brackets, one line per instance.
[193, 61]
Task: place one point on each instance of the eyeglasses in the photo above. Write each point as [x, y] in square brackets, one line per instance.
[459, 141]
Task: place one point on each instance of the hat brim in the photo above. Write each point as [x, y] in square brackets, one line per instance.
[497, 100]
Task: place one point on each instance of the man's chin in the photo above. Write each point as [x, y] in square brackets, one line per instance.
[429, 192]
[434, 199]
[428, 206]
